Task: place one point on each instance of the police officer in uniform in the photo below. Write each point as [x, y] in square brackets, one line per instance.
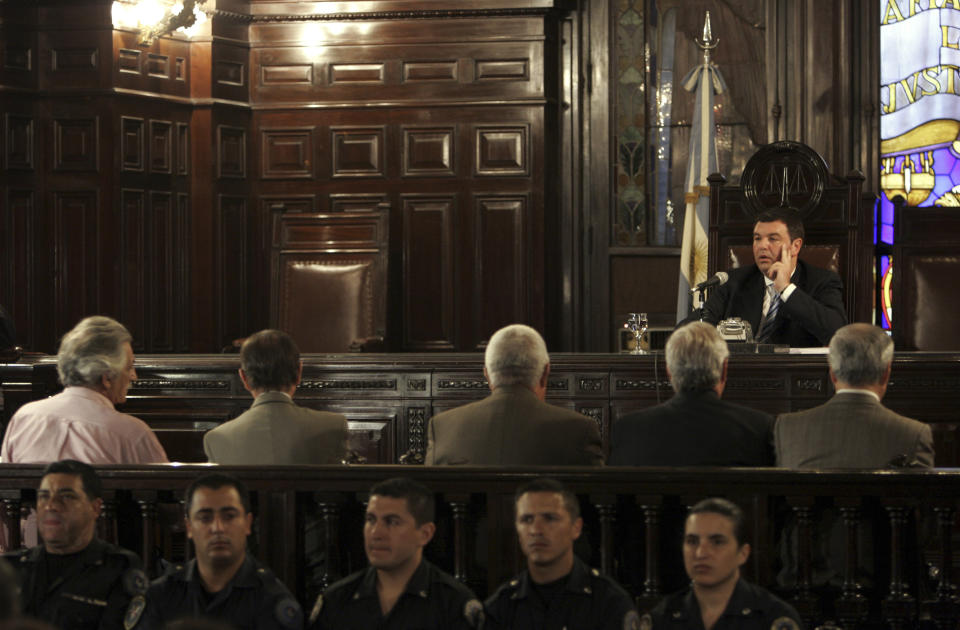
[718, 598]
[557, 590]
[399, 590]
[223, 581]
[74, 580]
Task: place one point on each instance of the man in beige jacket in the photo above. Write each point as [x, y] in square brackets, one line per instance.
[275, 430]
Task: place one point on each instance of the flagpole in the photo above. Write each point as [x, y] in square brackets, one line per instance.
[705, 81]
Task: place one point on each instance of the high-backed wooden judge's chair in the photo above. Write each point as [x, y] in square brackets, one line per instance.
[329, 275]
[837, 217]
[926, 265]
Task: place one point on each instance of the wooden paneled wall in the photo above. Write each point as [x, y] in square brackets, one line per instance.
[443, 120]
[144, 182]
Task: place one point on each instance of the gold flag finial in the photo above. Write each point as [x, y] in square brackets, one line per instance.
[708, 43]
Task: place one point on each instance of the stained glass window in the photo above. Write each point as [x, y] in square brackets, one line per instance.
[920, 114]
[654, 50]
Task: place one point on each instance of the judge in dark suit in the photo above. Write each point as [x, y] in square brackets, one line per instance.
[695, 427]
[513, 426]
[275, 430]
[852, 429]
[785, 300]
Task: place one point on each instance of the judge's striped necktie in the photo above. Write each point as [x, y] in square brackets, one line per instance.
[770, 319]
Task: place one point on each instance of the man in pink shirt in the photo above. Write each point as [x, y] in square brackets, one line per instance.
[95, 364]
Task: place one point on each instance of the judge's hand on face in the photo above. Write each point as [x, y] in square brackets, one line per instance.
[782, 270]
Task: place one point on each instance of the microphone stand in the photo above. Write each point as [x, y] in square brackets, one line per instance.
[700, 295]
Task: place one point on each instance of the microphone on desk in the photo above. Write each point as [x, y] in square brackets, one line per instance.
[719, 278]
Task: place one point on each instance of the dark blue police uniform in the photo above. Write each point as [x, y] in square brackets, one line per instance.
[587, 599]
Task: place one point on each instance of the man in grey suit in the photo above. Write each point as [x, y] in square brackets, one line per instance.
[513, 426]
[275, 430]
[852, 429]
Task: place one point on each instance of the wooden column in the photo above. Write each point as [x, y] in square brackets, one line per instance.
[459, 505]
[10, 500]
[606, 505]
[944, 608]
[328, 508]
[147, 502]
[652, 507]
[804, 600]
[898, 607]
[107, 523]
[851, 605]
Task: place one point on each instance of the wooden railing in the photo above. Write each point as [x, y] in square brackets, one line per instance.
[309, 520]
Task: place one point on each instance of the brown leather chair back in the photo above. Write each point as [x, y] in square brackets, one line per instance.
[823, 256]
[926, 265]
[329, 290]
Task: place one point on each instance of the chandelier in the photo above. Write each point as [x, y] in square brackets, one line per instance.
[156, 18]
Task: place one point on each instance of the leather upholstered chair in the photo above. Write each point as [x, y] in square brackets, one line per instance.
[837, 217]
[823, 256]
[329, 280]
[926, 265]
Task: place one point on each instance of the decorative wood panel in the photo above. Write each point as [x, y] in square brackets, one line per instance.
[129, 60]
[229, 73]
[286, 153]
[428, 152]
[180, 69]
[231, 152]
[232, 320]
[500, 271]
[161, 146]
[503, 150]
[502, 69]
[372, 435]
[356, 73]
[75, 252]
[133, 265]
[357, 202]
[434, 71]
[75, 144]
[74, 59]
[158, 65]
[17, 243]
[182, 304]
[293, 74]
[161, 264]
[358, 152]
[132, 146]
[18, 58]
[19, 146]
[183, 148]
[384, 65]
[428, 272]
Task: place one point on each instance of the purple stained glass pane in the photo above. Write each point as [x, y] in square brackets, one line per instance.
[886, 211]
[886, 233]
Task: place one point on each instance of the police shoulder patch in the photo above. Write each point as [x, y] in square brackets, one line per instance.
[134, 612]
[631, 621]
[473, 613]
[288, 614]
[317, 607]
[135, 582]
[784, 623]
